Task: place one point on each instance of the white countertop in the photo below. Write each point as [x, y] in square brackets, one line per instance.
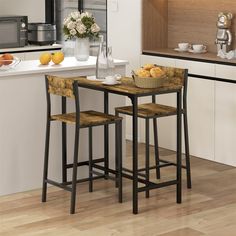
[34, 67]
[31, 48]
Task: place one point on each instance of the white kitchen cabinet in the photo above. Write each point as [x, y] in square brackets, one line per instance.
[201, 96]
[225, 116]
[201, 104]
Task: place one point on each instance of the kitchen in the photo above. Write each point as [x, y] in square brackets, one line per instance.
[210, 206]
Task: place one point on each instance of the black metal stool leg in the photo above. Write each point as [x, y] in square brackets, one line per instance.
[179, 149]
[147, 164]
[156, 149]
[46, 156]
[74, 172]
[116, 158]
[64, 143]
[90, 159]
[119, 159]
[187, 155]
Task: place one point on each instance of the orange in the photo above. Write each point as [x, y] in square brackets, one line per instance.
[57, 57]
[8, 59]
[45, 58]
[1, 61]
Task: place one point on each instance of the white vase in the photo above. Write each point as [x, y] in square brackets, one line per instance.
[82, 49]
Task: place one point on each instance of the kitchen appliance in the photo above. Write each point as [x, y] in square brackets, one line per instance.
[13, 31]
[42, 33]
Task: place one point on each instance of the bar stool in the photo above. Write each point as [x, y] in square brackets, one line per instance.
[68, 88]
[153, 111]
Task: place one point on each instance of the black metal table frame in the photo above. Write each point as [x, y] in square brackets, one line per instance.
[134, 177]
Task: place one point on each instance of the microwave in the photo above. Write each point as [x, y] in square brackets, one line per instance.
[13, 31]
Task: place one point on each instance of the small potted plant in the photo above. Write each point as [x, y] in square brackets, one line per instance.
[82, 27]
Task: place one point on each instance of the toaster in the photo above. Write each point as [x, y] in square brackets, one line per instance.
[41, 34]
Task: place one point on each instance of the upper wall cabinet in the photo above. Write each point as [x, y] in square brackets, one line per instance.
[168, 22]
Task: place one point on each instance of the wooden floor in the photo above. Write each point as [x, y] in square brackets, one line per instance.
[208, 209]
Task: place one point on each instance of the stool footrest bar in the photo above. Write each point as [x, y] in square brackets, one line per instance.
[85, 163]
[158, 185]
[59, 185]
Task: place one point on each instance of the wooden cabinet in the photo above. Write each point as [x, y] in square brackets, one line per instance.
[165, 23]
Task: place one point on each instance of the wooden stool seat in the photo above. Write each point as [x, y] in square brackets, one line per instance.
[87, 118]
[148, 110]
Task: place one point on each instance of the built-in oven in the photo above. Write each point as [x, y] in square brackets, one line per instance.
[13, 31]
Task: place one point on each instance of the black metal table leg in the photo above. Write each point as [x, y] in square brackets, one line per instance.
[106, 135]
[64, 143]
[179, 147]
[135, 154]
[147, 156]
[156, 146]
[187, 154]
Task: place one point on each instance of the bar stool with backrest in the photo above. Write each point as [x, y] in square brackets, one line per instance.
[68, 88]
[153, 111]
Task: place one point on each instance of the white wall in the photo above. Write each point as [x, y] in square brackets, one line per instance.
[124, 31]
[124, 35]
[34, 9]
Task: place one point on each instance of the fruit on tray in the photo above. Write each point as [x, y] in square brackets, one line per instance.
[57, 57]
[150, 71]
[148, 66]
[157, 72]
[6, 59]
[45, 58]
[142, 73]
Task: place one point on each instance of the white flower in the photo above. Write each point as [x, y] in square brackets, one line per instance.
[66, 21]
[95, 28]
[73, 32]
[71, 25]
[81, 28]
[87, 14]
[78, 21]
[75, 15]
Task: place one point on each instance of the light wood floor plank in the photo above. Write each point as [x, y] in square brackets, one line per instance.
[208, 209]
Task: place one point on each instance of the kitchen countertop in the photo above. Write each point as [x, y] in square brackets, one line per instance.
[30, 48]
[70, 63]
[203, 57]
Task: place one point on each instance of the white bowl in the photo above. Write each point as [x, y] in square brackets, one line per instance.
[14, 63]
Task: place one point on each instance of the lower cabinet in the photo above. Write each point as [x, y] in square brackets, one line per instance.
[225, 116]
[201, 104]
[211, 112]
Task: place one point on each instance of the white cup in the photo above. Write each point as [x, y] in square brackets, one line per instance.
[198, 47]
[184, 46]
[110, 79]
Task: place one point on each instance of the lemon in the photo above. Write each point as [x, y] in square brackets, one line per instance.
[45, 58]
[57, 57]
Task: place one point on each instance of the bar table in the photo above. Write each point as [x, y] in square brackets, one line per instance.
[127, 88]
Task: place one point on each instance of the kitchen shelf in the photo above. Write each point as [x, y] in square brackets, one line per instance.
[208, 57]
[165, 23]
